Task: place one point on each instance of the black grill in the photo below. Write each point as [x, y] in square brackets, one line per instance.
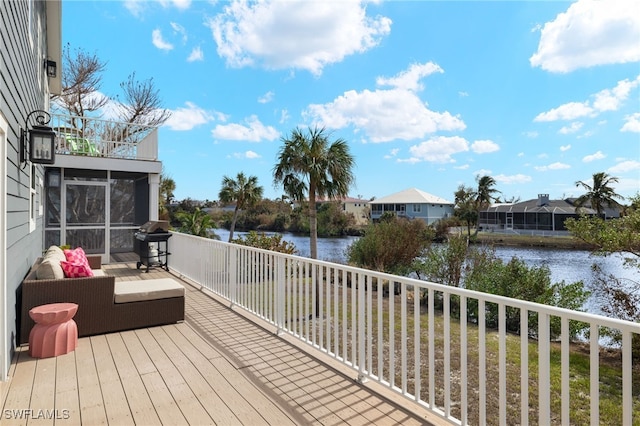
[151, 243]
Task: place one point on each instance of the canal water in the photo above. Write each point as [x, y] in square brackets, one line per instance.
[564, 265]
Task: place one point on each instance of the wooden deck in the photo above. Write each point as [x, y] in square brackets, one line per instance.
[217, 367]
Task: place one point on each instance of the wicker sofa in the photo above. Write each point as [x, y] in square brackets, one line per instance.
[98, 312]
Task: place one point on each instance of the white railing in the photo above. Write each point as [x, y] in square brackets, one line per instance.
[96, 137]
[461, 362]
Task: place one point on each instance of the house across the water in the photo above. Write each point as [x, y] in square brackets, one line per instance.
[413, 204]
[538, 214]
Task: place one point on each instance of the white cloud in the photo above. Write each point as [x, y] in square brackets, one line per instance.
[597, 156]
[463, 94]
[589, 33]
[462, 167]
[553, 166]
[484, 147]
[482, 172]
[137, 7]
[180, 30]
[266, 98]
[632, 123]
[384, 115]
[565, 148]
[572, 128]
[439, 149]
[531, 134]
[393, 153]
[179, 4]
[196, 55]
[295, 34]
[512, 179]
[158, 41]
[624, 167]
[189, 117]
[611, 99]
[605, 100]
[284, 116]
[247, 154]
[410, 78]
[568, 111]
[253, 131]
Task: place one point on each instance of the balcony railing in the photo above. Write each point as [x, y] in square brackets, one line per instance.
[443, 348]
[94, 137]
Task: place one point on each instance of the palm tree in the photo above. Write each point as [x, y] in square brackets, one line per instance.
[465, 206]
[600, 194]
[309, 164]
[244, 191]
[167, 186]
[484, 195]
[198, 223]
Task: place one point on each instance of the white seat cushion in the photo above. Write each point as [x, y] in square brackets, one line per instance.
[140, 290]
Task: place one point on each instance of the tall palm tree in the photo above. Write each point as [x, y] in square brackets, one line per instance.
[600, 194]
[242, 190]
[485, 193]
[310, 165]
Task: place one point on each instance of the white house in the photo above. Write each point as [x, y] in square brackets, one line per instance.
[412, 203]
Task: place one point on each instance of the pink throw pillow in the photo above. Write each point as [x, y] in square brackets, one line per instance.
[77, 256]
[75, 270]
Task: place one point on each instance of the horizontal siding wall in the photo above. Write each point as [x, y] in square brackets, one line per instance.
[22, 89]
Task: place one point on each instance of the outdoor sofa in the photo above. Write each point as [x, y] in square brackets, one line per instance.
[104, 306]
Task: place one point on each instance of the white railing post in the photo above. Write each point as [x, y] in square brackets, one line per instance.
[524, 367]
[361, 328]
[280, 293]
[594, 369]
[233, 277]
[627, 379]
[544, 371]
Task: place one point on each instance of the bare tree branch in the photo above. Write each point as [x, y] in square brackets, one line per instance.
[142, 103]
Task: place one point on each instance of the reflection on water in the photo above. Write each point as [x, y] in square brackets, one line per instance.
[564, 265]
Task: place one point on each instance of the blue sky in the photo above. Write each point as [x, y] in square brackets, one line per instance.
[429, 94]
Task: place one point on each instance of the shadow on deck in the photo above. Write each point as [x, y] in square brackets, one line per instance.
[217, 367]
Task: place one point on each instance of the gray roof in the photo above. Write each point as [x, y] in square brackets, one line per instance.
[411, 196]
[533, 206]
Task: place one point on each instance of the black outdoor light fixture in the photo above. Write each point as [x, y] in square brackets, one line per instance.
[38, 144]
[51, 67]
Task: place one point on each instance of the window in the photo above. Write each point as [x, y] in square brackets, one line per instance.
[35, 204]
[417, 208]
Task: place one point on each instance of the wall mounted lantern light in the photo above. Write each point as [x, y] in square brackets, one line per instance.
[51, 67]
[38, 144]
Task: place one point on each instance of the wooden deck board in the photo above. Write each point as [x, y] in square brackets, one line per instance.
[67, 395]
[43, 390]
[115, 401]
[140, 404]
[192, 367]
[91, 402]
[216, 367]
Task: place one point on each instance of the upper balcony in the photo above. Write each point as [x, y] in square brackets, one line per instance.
[87, 138]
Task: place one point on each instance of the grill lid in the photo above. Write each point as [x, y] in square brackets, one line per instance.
[155, 226]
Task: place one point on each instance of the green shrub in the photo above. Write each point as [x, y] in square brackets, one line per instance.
[391, 245]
